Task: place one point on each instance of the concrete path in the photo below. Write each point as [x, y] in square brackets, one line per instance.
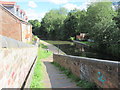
[54, 78]
[52, 48]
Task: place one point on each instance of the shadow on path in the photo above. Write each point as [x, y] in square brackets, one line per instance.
[57, 78]
[54, 78]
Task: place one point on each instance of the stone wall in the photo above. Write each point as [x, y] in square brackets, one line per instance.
[102, 72]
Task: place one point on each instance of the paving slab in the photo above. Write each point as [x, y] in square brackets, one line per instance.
[54, 78]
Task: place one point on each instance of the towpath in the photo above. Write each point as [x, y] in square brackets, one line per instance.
[54, 78]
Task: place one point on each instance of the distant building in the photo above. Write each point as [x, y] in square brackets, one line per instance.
[13, 22]
[82, 36]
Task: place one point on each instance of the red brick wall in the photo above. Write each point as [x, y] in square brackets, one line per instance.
[15, 64]
[10, 26]
[104, 73]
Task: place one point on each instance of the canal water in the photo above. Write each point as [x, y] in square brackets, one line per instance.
[83, 51]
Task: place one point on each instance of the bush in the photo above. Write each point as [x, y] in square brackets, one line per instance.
[72, 38]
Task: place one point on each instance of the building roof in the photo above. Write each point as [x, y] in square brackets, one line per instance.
[7, 2]
[23, 21]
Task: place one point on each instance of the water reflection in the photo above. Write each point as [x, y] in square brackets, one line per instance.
[80, 50]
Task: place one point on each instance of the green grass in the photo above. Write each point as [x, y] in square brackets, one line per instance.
[39, 69]
[57, 42]
[79, 82]
[85, 42]
[43, 46]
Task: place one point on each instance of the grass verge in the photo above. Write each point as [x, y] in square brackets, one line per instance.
[57, 42]
[79, 82]
[39, 69]
[88, 43]
[43, 46]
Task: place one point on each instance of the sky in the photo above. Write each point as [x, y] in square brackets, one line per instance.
[36, 9]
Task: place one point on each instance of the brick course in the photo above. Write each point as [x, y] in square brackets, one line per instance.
[102, 72]
[15, 65]
[12, 27]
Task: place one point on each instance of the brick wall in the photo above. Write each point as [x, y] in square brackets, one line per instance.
[13, 27]
[10, 26]
[102, 72]
[14, 65]
[0, 21]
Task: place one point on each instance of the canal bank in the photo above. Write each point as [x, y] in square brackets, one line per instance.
[71, 48]
[54, 78]
[52, 48]
[103, 73]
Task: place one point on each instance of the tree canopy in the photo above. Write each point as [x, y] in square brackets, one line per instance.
[35, 26]
[52, 23]
[100, 21]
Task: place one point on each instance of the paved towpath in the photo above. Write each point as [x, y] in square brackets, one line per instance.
[54, 78]
[52, 48]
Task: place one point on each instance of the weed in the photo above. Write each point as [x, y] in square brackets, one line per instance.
[43, 46]
[38, 70]
[79, 82]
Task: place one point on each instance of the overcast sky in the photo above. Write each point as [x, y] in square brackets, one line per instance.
[36, 9]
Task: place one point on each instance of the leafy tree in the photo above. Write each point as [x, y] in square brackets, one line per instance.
[52, 23]
[102, 27]
[35, 26]
[117, 18]
[73, 24]
[99, 17]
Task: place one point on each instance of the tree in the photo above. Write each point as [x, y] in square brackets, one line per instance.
[52, 23]
[102, 27]
[99, 19]
[117, 18]
[73, 24]
[35, 26]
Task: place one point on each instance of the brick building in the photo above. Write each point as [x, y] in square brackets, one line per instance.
[13, 22]
[82, 36]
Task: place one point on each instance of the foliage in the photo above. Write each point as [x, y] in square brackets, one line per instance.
[99, 21]
[73, 23]
[35, 26]
[52, 24]
[117, 18]
[58, 42]
[72, 38]
[103, 29]
[100, 18]
[81, 83]
[43, 46]
[87, 84]
[87, 43]
[38, 70]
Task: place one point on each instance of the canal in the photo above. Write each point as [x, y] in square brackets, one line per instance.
[71, 48]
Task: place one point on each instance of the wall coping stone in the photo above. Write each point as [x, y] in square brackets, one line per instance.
[6, 42]
[90, 59]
